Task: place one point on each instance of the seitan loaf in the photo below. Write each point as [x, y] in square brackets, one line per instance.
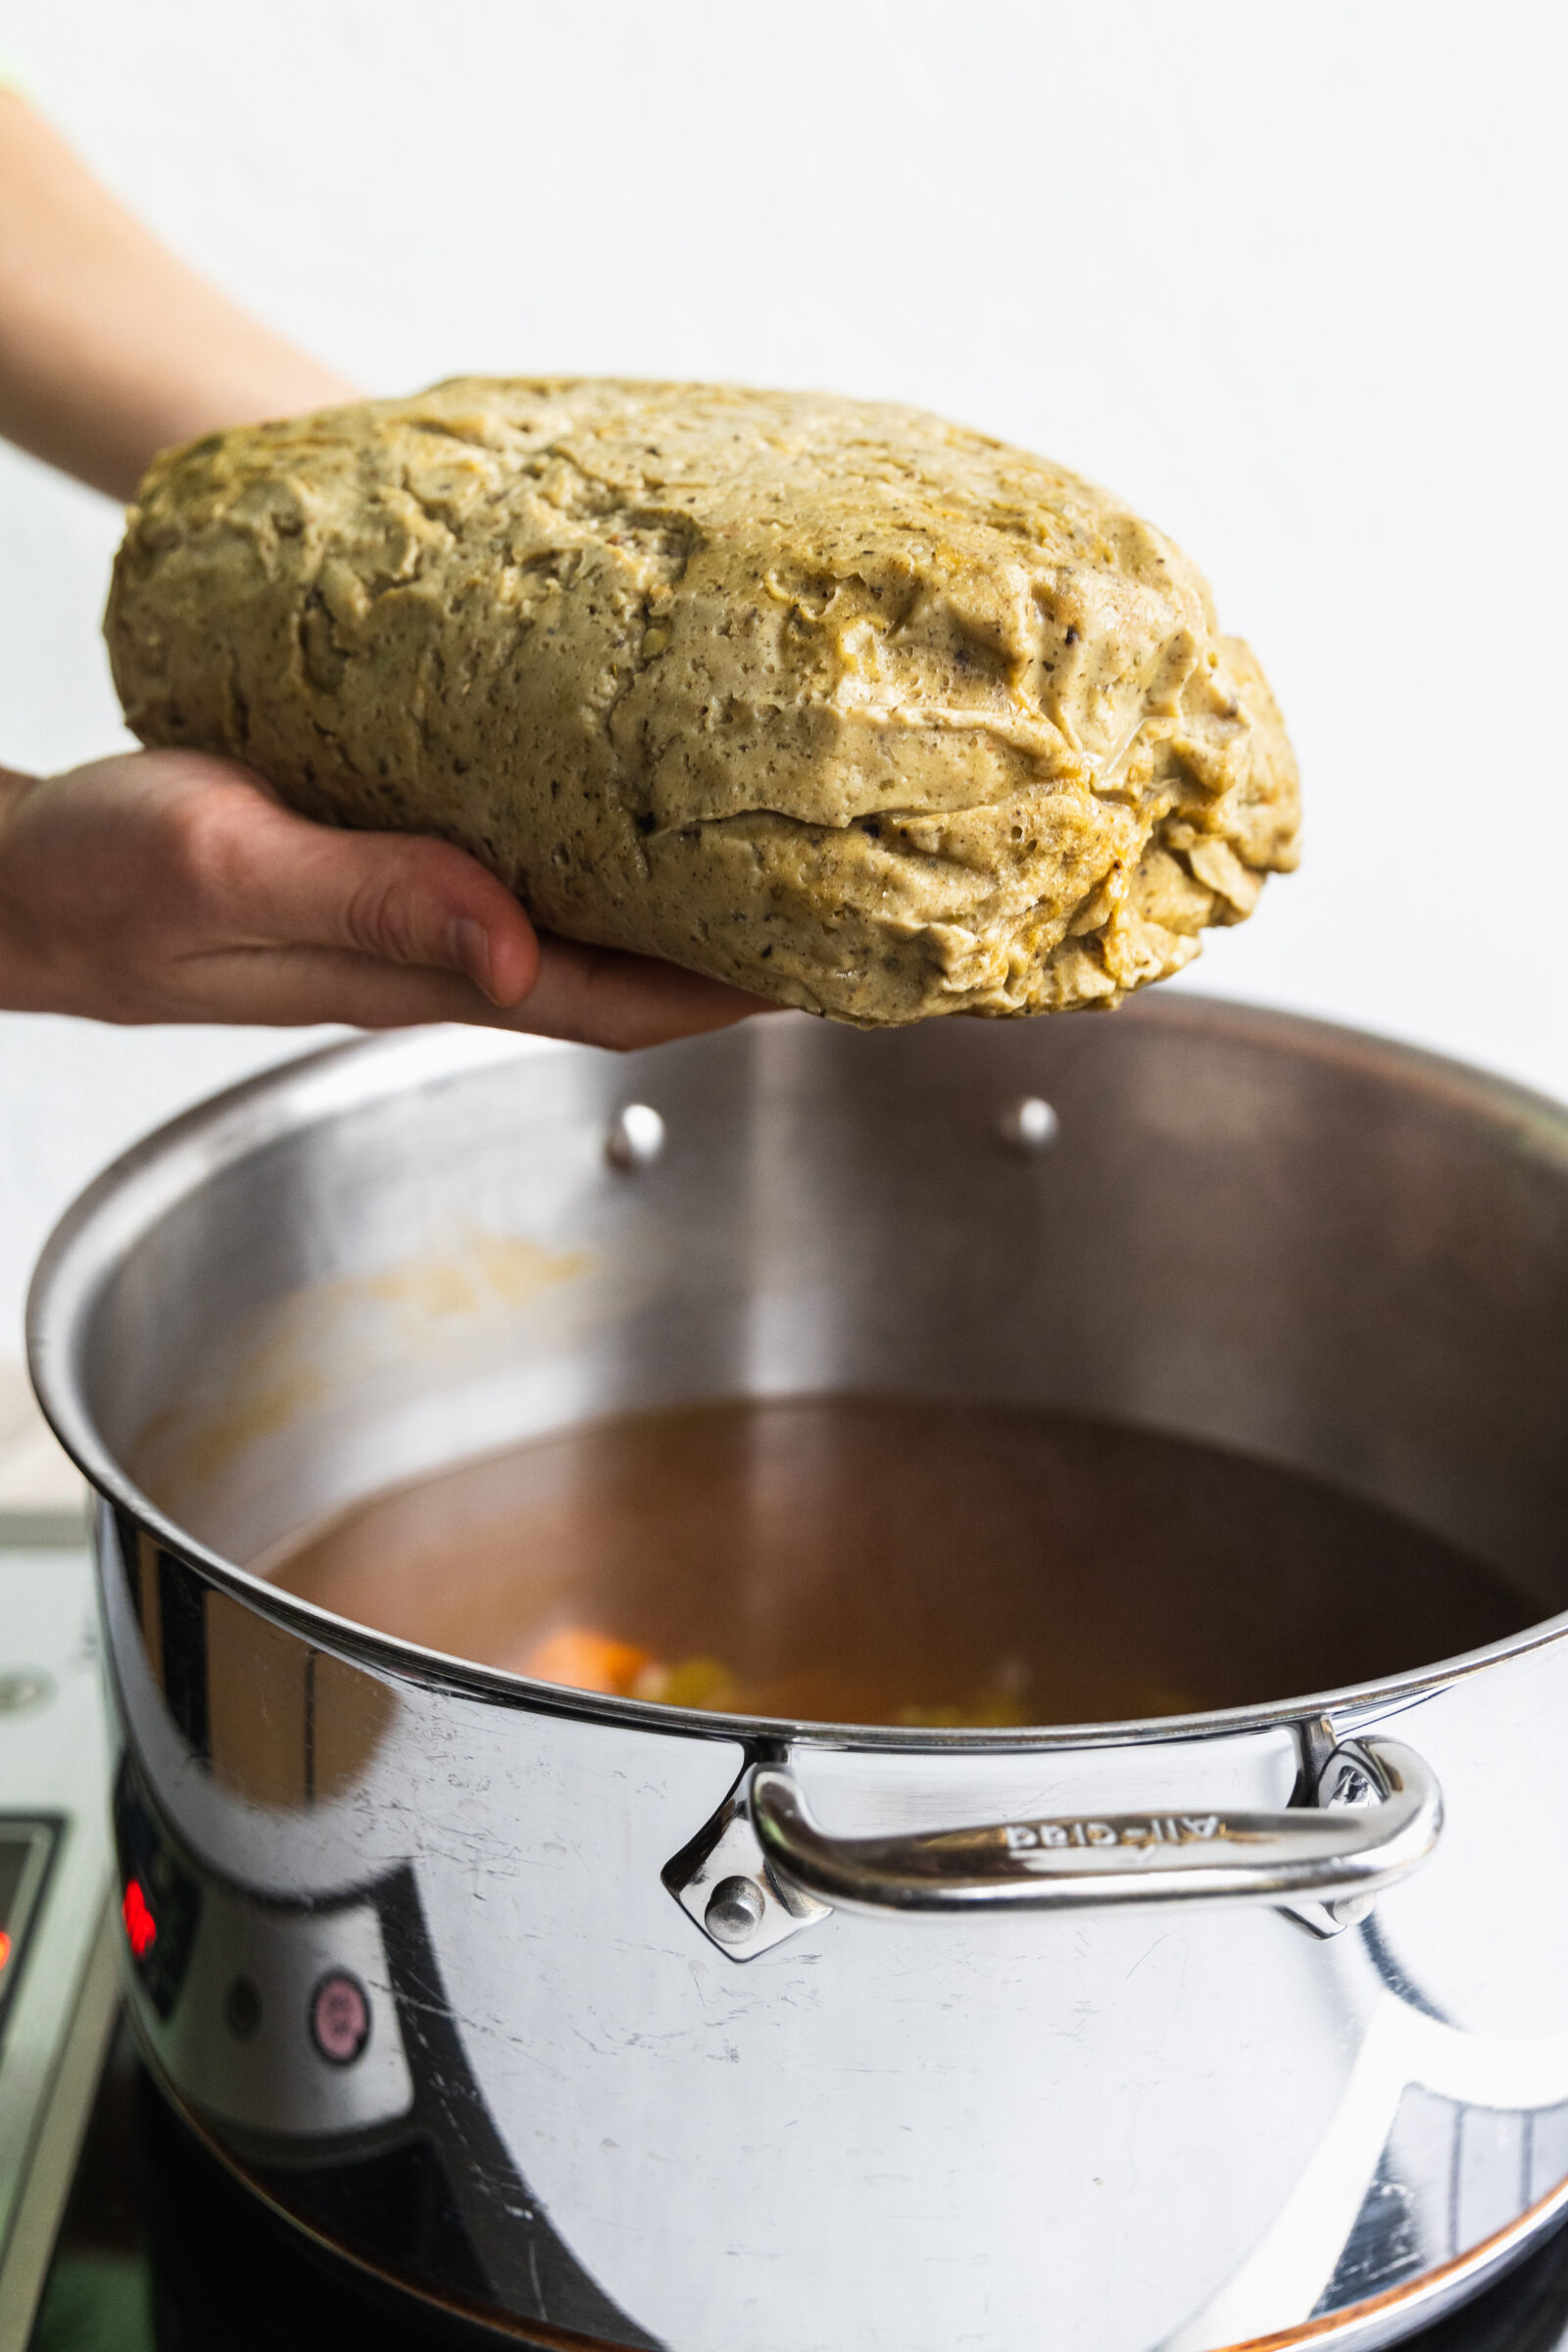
[838, 702]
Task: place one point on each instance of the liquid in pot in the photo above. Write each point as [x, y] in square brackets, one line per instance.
[886, 1560]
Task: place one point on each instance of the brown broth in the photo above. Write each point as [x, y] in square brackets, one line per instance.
[884, 1560]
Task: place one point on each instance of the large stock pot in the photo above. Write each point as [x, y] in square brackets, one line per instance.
[608, 2023]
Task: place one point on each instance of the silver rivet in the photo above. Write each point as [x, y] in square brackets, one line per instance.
[1029, 1124]
[734, 1910]
[637, 1137]
[20, 1692]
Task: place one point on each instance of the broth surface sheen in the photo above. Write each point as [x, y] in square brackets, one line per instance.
[896, 1560]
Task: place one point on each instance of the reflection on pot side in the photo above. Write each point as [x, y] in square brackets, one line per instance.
[858, 1559]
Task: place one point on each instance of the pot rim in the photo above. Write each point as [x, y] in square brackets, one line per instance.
[143, 1184]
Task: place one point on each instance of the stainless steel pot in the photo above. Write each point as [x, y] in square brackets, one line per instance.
[618, 2025]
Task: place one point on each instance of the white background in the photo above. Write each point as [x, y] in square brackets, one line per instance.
[1290, 277]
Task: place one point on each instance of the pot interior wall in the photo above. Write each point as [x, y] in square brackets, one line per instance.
[1257, 1232]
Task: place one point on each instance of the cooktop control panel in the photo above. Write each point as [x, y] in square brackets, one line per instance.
[27, 1850]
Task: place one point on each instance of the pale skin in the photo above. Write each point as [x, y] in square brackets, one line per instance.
[170, 886]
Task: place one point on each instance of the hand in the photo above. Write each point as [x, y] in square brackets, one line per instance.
[168, 886]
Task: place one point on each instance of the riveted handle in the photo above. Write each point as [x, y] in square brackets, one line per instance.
[1375, 1814]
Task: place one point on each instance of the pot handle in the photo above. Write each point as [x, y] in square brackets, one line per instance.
[1375, 1814]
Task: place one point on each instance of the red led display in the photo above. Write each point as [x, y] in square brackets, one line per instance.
[5, 1947]
[141, 1929]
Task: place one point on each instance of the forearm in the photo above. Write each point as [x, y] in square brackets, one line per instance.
[110, 348]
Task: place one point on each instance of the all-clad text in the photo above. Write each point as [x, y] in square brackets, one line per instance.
[1167, 1829]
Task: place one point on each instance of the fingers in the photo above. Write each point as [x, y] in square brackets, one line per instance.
[281, 881]
[589, 994]
[601, 998]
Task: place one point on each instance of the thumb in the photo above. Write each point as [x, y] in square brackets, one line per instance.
[403, 899]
